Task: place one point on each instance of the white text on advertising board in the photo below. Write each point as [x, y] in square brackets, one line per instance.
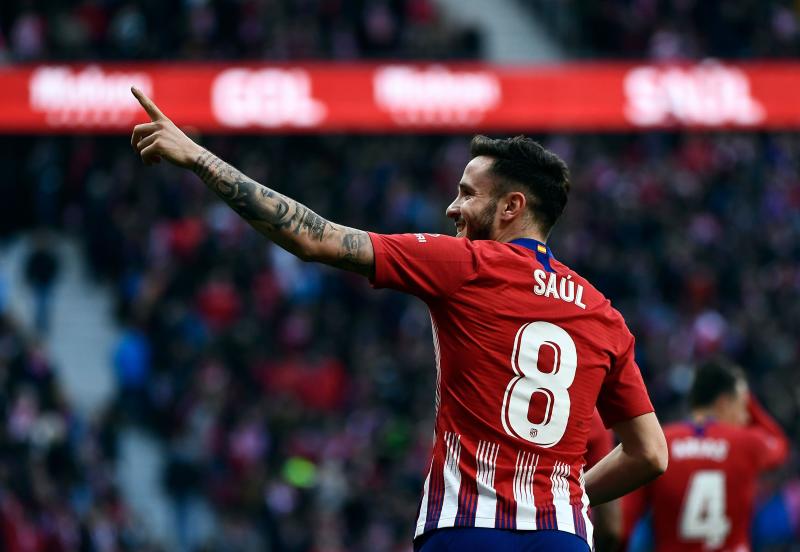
[88, 98]
[435, 95]
[709, 94]
[265, 97]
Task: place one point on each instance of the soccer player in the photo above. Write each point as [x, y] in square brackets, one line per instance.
[525, 347]
[704, 501]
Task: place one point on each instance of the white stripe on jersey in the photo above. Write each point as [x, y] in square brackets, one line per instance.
[560, 486]
[523, 489]
[452, 479]
[585, 510]
[438, 357]
[423, 508]
[486, 460]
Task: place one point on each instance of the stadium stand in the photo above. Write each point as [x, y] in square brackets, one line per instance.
[673, 29]
[230, 29]
[57, 484]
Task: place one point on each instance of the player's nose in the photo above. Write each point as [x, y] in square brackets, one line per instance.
[453, 211]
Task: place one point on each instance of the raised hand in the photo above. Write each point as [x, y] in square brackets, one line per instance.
[160, 138]
[288, 223]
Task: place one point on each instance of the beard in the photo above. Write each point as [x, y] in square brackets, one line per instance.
[481, 228]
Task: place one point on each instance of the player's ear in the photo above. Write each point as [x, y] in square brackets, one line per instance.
[514, 204]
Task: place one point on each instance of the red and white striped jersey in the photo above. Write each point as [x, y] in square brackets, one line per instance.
[525, 348]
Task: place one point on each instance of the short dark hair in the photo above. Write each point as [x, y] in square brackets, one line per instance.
[520, 161]
[712, 379]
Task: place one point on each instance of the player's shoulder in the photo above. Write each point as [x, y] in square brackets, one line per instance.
[598, 305]
[493, 255]
[714, 439]
[426, 244]
[675, 430]
[711, 429]
[742, 438]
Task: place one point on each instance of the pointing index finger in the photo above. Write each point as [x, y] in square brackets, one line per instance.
[148, 105]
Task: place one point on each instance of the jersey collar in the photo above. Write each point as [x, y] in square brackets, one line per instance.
[699, 428]
[543, 253]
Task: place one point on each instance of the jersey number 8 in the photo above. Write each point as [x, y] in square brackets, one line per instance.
[544, 377]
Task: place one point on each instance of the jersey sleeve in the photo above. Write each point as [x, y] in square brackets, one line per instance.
[770, 445]
[425, 265]
[623, 395]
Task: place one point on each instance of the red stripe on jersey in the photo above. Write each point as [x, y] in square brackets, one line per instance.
[435, 490]
[545, 511]
[576, 502]
[467, 502]
[468, 494]
[506, 511]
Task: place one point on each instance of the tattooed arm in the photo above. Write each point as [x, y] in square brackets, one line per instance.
[285, 221]
[288, 223]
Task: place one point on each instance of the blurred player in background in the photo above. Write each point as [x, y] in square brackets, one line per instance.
[606, 518]
[525, 347]
[705, 499]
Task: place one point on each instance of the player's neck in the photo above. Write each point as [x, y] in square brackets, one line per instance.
[511, 234]
[701, 416]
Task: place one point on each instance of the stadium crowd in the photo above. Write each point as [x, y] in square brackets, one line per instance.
[292, 396]
[230, 29]
[58, 490]
[673, 29]
[294, 400]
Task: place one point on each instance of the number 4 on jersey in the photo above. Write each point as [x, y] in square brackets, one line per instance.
[703, 516]
[535, 380]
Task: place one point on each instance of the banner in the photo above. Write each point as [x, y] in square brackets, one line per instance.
[401, 97]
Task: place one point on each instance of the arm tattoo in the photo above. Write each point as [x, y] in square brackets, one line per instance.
[352, 255]
[257, 203]
[285, 221]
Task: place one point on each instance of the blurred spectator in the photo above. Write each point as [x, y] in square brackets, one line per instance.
[57, 491]
[41, 272]
[28, 41]
[132, 365]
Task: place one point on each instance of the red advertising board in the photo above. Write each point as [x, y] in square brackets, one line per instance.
[399, 97]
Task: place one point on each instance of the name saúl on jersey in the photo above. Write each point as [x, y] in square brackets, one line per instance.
[558, 287]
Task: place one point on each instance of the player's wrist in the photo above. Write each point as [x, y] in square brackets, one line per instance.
[192, 157]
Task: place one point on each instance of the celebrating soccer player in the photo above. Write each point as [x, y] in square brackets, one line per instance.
[705, 499]
[525, 347]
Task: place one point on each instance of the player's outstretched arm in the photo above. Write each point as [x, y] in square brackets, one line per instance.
[771, 442]
[641, 457]
[283, 220]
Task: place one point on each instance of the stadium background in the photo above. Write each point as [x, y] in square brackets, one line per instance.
[171, 381]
